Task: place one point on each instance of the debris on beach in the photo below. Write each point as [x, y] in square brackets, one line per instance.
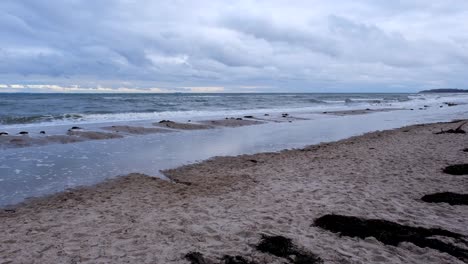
[283, 247]
[457, 130]
[235, 260]
[457, 169]
[42, 132]
[198, 258]
[23, 133]
[391, 233]
[3, 133]
[446, 197]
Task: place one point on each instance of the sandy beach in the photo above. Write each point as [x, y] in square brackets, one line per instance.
[221, 208]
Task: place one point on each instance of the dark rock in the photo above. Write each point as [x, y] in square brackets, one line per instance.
[23, 133]
[426, 106]
[450, 104]
[391, 233]
[165, 121]
[368, 109]
[10, 211]
[324, 112]
[284, 248]
[285, 115]
[465, 150]
[411, 109]
[3, 133]
[196, 258]
[254, 161]
[266, 115]
[248, 116]
[75, 127]
[42, 132]
[457, 169]
[238, 118]
[441, 106]
[446, 197]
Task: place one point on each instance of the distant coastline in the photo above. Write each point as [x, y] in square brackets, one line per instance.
[444, 91]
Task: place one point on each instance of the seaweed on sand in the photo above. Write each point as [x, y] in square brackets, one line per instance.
[284, 248]
[446, 197]
[391, 233]
[457, 130]
[457, 169]
[197, 258]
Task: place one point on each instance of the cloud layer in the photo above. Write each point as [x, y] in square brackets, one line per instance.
[309, 46]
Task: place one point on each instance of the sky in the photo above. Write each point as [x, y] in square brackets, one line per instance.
[232, 46]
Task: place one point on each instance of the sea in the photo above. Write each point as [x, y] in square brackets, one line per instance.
[35, 171]
[21, 110]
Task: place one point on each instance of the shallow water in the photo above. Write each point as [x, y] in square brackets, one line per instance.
[40, 170]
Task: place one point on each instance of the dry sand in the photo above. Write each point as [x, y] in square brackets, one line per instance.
[221, 206]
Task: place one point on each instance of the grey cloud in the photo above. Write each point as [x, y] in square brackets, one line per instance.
[305, 46]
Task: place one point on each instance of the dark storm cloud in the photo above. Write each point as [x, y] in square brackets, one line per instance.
[299, 46]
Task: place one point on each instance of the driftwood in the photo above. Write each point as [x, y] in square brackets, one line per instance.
[457, 130]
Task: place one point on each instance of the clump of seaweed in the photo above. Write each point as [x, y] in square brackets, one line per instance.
[283, 247]
[195, 258]
[446, 197]
[198, 258]
[391, 233]
[457, 169]
[457, 130]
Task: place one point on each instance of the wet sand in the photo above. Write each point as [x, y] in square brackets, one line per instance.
[135, 130]
[222, 206]
[181, 126]
[232, 122]
[360, 111]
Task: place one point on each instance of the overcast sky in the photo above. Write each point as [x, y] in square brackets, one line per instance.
[233, 46]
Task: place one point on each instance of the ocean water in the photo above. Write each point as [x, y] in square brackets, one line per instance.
[40, 170]
[24, 109]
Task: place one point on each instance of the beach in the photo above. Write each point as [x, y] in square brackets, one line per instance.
[222, 206]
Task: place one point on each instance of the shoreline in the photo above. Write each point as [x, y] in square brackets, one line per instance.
[235, 199]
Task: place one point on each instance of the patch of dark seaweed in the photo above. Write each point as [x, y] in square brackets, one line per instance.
[391, 233]
[457, 130]
[196, 258]
[235, 260]
[457, 169]
[446, 197]
[283, 247]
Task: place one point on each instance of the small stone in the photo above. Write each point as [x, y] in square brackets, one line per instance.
[23, 133]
